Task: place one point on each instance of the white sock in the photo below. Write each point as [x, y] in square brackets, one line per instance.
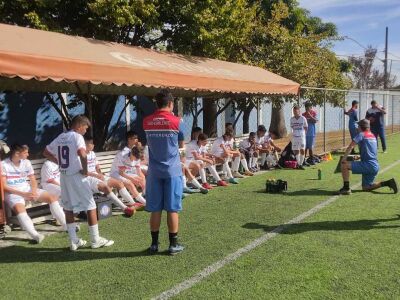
[71, 228]
[184, 181]
[116, 201]
[263, 158]
[58, 214]
[94, 233]
[196, 183]
[236, 164]
[302, 156]
[224, 171]
[26, 223]
[228, 170]
[253, 161]
[298, 159]
[126, 196]
[244, 164]
[214, 173]
[140, 199]
[203, 175]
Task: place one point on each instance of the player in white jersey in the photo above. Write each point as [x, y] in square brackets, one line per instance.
[299, 126]
[69, 151]
[249, 148]
[221, 151]
[188, 177]
[50, 178]
[126, 168]
[100, 183]
[16, 171]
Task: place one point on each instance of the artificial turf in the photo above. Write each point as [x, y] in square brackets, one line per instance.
[347, 250]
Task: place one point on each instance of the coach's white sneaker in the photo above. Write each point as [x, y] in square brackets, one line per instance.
[79, 244]
[102, 242]
[39, 238]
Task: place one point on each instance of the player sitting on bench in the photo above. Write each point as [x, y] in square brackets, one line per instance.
[16, 171]
[99, 183]
[126, 168]
[248, 147]
[237, 157]
[188, 177]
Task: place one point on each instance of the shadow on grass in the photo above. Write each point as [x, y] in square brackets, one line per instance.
[312, 192]
[325, 226]
[31, 254]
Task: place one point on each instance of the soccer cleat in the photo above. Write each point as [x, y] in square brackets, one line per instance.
[102, 242]
[39, 238]
[392, 184]
[207, 186]
[222, 183]
[203, 190]
[173, 250]
[237, 175]
[344, 191]
[138, 206]
[248, 173]
[300, 168]
[129, 211]
[306, 164]
[79, 244]
[153, 249]
[233, 181]
[187, 190]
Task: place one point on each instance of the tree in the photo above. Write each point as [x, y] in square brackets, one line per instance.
[365, 75]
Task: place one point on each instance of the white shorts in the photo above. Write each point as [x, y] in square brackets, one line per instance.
[188, 162]
[12, 199]
[298, 142]
[123, 179]
[51, 188]
[76, 194]
[94, 183]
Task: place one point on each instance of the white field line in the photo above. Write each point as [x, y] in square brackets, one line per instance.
[207, 271]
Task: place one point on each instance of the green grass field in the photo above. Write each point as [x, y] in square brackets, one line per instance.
[348, 250]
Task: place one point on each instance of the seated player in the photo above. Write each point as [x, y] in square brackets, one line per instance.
[221, 151]
[272, 150]
[132, 139]
[237, 158]
[200, 153]
[126, 168]
[144, 160]
[99, 183]
[50, 178]
[16, 171]
[368, 167]
[299, 126]
[195, 133]
[249, 149]
[188, 177]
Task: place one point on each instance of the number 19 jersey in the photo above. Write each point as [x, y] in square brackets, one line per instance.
[65, 148]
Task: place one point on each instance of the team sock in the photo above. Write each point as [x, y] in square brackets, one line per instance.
[126, 196]
[253, 162]
[244, 164]
[154, 237]
[140, 199]
[263, 158]
[301, 156]
[116, 201]
[58, 213]
[184, 181]
[173, 239]
[346, 185]
[228, 170]
[214, 173]
[196, 183]
[94, 233]
[236, 164]
[26, 223]
[298, 159]
[203, 175]
[71, 228]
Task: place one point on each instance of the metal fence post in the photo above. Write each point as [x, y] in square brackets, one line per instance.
[392, 112]
[359, 105]
[344, 123]
[324, 121]
[258, 112]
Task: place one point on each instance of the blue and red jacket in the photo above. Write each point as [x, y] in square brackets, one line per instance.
[368, 147]
[163, 132]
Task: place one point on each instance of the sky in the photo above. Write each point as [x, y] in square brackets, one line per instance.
[365, 22]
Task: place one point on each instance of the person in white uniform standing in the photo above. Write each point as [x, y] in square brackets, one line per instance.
[299, 126]
[16, 171]
[69, 151]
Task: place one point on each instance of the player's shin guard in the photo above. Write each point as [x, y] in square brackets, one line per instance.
[244, 164]
[302, 156]
[228, 170]
[126, 196]
[298, 160]
[236, 164]
[26, 223]
[94, 233]
[184, 181]
[263, 159]
[116, 201]
[140, 199]
[71, 228]
[196, 183]
[253, 162]
[214, 173]
[58, 213]
[203, 175]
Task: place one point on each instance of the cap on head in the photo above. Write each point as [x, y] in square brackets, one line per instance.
[364, 124]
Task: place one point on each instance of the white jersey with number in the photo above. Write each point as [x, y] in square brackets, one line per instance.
[298, 125]
[92, 162]
[124, 163]
[49, 171]
[65, 148]
[17, 176]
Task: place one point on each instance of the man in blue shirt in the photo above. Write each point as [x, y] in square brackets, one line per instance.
[164, 183]
[375, 116]
[311, 116]
[368, 166]
[353, 119]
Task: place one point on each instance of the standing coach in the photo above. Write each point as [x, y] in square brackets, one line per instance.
[164, 186]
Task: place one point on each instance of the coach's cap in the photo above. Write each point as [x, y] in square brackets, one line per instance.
[261, 128]
[364, 123]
